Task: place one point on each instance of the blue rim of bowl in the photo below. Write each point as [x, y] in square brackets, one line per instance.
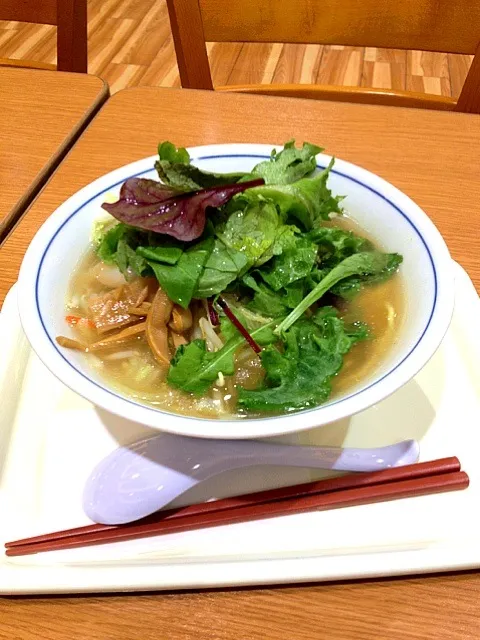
[218, 157]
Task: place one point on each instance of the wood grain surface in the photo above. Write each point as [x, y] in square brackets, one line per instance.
[70, 18]
[434, 158]
[43, 112]
[130, 44]
[422, 25]
[440, 25]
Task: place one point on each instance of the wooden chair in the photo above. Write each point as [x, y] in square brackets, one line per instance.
[70, 17]
[451, 26]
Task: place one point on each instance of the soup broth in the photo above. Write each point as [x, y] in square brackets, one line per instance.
[132, 369]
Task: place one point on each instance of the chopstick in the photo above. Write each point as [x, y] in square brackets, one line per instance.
[349, 490]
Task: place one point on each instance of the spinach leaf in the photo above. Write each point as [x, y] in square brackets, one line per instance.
[265, 300]
[179, 281]
[367, 263]
[223, 266]
[300, 377]
[194, 369]
[168, 254]
[289, 165]
[128, 260]
[294, 293]
[271, 303]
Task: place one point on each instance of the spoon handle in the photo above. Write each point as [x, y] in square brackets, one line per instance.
[334, 458]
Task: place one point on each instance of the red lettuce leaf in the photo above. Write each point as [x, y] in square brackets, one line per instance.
[152, 206]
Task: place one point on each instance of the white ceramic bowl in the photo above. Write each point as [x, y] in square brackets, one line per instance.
[391, 218]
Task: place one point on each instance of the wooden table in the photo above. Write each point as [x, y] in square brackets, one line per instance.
[432, 156]
[43, 112]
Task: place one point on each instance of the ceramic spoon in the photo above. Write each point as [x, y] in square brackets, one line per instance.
[135, 481]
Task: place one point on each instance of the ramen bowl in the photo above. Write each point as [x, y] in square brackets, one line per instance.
[386, 214]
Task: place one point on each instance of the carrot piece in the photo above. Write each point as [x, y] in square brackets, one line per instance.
[73, 320]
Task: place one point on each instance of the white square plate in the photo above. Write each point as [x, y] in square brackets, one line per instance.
[50, 439]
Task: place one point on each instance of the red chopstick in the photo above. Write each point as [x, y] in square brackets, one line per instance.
[349, 490]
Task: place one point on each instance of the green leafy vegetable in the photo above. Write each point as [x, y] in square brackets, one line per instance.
[100, 228]
[117, 246]
[174, 169]
[128, 259]
[255, 230]
[179, 281]
[335, 244]
[349, 287]
[365, 263]
[169, 255]
[294, 263]
[194, 369]
[106, 244]
[301, 376]
[266, 250]
[253, 322]
[223, 266]
[289, 165]
[169, 152]
[307, 201]
[266, 301]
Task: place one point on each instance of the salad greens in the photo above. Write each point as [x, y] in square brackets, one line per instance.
[194, 369]
[263, 238]
[300, 377]
[152, 206]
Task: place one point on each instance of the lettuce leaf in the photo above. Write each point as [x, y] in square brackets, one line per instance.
[117, 246]
[255, 229]
[169, 152]
[308, 201]
[288, 165]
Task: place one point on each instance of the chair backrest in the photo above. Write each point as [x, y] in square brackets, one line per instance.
[451, 26]
[70, 17]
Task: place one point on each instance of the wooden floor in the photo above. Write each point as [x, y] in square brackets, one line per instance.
[130, 45]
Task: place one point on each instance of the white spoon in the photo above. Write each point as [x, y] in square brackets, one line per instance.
[135, 481]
